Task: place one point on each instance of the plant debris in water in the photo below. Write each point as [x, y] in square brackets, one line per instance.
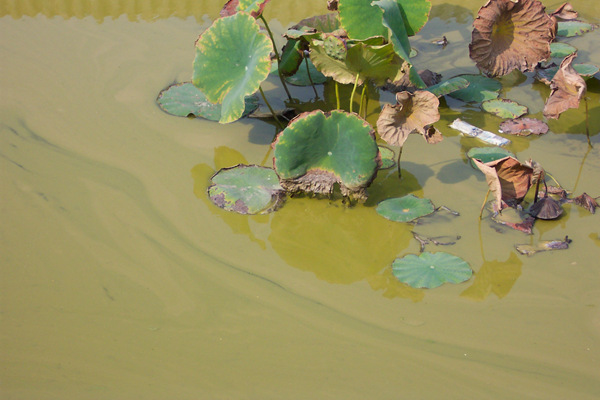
[547, 245]
[567, 88]
[586, 201]
[546, 208]
[523, 127]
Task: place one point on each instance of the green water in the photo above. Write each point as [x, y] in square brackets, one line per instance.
[120, 280]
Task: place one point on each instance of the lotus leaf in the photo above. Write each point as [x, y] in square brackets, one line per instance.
[393, 20]
[504, 108]
[586, 201]
[507, 179]
[405, 209]
[487, 154]
[430, 270]
[232, 60]
[567, 88]
[480, 89]
[546, 208]
[300, 78]
[546, 245]
[369, 62]
[326, 23]
[523, 127]
[565, 12]
[573, 28]
[387, 157]
[317, 150]
[586, 71]
[511, 34]
[335, 47]
[246, 189]
[449, 86]
[253, 7]
[561, 50]
[412, 112]
[183, 99]
[292, 56]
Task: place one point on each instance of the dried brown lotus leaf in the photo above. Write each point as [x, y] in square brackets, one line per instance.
[546, 208]
[586, 201]
[412, 113]
[567, 88]
[565, 12]
[511, 34]
[523, 126]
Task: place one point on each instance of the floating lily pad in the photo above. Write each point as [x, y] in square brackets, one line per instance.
[246, 189]
[184, 99]
[487, 154]
[388, 157]
[430, 270]
[573, 28]
[585, 70]
[480, 89]
[561, 50]
[405, 209]
[300, 78]
[317, 150]
[449, 86]
[504, 108]
[232, 60]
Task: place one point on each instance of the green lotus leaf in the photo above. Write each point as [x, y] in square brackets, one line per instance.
[430, 270]
[232, 60]
[252, 7]
[405, 209]
[573, 28]
[504, 108]
[487, 154]
[585, 70]
[292, 56]
[246, 189]
[369, 62]
[184, 99]
[388, 157]
[449, 86]
[317, 150]
[300, 78]
[480, 89]
[561, 50]
[392, 19]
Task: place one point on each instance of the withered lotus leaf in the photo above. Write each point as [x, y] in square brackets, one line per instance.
[412, 113]
[567, 88]
[508, 179]
[586, 201]
[523, 127]
[253, 7]
[565, 12]
[546, 208]
[511, 34]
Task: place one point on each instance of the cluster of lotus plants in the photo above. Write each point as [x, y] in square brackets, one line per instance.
[364, 45]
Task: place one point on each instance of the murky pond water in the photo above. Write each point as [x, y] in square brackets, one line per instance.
[119, 279]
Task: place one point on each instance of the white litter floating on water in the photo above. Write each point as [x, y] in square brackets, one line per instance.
[478, 133]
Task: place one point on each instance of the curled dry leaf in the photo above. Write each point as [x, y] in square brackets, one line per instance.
[508, 179]
[546, 245]
[567, 88]
[412, 113]
[565, 12]
[403, 82]
[523, 127]
[586, 201]
[511, 34]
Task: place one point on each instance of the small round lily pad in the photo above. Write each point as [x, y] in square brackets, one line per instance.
[246, 189]
[585, 70]
[184, 99]
[504, 108]
[480, 89]
[405, 209]
[430, 270]
[561, 50]
[487, 154]
[387, 157]
[573, 28]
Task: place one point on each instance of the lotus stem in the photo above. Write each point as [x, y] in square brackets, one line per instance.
[337, 95]
[587, 123]
[537, 188]
[264, 161]
[484, 201]
[310, 78]
[271, 108]
[399, 156]
[353, 91]
[287, 91]
[362, 98]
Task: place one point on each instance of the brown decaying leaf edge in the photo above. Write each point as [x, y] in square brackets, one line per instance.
[230, 8]
[511, 34]
[567, 88]
[565, 12]
[586, 201]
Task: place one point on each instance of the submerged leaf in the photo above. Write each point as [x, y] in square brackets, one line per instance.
[318, 150]
[232, 60]
[412, 113]
[511, 34]
[523, 127]
[480, 89]
[508, 180]
[184, 99]
[504, 108]
[405, 209]
[567, 88]
[430, 270]
[246, 189]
